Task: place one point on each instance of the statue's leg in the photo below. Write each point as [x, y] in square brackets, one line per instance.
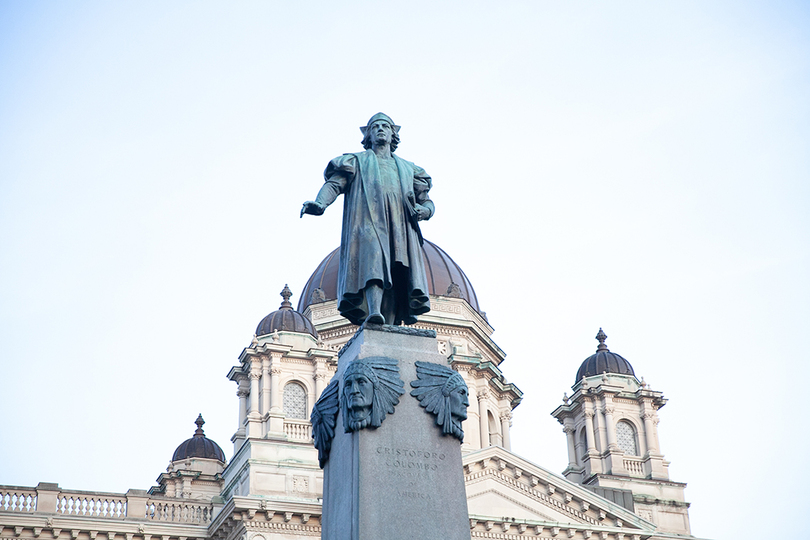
[388, 308]
[374, 298]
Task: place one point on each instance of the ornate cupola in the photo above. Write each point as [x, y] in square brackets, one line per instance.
[195, 471]
[610, 423]
[281, 374]
[286, 319]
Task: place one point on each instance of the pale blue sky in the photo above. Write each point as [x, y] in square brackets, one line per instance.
[637, 166]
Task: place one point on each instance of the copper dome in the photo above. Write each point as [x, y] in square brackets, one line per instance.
[199, 446]
[286, 319]
[604, 361]
[445, 278]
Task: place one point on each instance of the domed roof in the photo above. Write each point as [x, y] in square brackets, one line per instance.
[603, 361]
[445, 278]
[199, 446]
[286, 319]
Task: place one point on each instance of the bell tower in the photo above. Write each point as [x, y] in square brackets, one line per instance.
[611, 427]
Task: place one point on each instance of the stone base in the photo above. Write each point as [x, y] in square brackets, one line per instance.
[403, 480]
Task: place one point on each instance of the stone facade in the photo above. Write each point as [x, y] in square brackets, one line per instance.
[272, 485]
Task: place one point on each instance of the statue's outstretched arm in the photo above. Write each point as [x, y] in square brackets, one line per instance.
[326, 196]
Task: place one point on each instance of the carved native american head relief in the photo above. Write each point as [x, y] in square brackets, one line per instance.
[371, 389]
[442, 391]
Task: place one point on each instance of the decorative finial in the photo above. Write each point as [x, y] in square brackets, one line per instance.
[565, 398]
[286, 293]
[254, 342]
[601, 336]
[199, 421]
[643, 383]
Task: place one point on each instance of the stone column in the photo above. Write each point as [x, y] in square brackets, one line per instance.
[599, 422]
[572, 450]
[275, 391]
[242, 393]
[275, 417]
[320, 383]
[254, 428]
[649, 436]
[483, 420]
[589, 434]
[472, 439]
[265, 386]
[610, 427]
[241, 431]
[506, 421]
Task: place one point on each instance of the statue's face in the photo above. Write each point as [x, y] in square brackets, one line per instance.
[359, 392]
[459, 402]
[381, 132]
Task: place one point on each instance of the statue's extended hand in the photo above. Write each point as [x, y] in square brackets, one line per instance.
[312, 207]
[422, 212]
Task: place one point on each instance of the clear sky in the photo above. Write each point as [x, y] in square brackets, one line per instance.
[637, 166]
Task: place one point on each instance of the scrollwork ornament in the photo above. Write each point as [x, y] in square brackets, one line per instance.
[442, 392]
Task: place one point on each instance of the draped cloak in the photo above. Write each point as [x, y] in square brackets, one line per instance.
[381, 239]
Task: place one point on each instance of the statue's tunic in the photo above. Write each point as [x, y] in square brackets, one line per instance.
[381, 239]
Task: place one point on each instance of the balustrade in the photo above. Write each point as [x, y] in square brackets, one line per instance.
[179, 511]
[635, 467]
[95, 505]
[109, 505]
[16, 499]
[298, 430]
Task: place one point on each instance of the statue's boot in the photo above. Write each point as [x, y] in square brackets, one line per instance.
[374, 295]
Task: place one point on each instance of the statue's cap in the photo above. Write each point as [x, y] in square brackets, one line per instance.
[380, 116]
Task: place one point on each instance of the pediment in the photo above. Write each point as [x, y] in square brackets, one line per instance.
[502, 486]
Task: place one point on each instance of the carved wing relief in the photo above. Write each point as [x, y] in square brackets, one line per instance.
[324, 418]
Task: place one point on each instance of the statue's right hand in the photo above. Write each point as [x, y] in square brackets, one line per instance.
[312, 207]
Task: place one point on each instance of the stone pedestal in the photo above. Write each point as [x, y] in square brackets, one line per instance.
[403, 480]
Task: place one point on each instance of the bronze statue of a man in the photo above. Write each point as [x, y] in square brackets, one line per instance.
[381, 274]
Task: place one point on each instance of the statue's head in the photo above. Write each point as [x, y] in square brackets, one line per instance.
[371, 389]
[368, 132]
[443, 392]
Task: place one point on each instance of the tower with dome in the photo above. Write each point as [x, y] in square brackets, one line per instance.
[269, 485]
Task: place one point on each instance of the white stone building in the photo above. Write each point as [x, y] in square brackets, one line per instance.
[616, 485]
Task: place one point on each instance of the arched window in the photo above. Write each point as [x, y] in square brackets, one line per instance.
[295, 401]
[626, 438]
[583, 444]
[494, 436]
